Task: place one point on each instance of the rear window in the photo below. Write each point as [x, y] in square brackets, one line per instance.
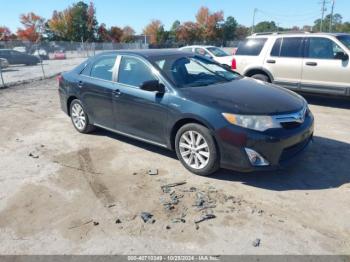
[251, 47]
[288, 47]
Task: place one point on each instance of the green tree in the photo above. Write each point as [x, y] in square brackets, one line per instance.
[162, 35]
[173, 30]
[336, 23]
[76, 23]
[229, 29]
[266, 26]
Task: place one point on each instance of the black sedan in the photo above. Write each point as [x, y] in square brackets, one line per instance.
[211, 116]
[16, 58]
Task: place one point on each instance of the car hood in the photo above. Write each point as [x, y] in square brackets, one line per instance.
[246, 96]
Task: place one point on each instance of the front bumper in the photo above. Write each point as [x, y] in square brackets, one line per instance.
[277, 146]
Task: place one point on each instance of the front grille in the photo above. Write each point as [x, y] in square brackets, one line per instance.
[293, 120]
[293, 150]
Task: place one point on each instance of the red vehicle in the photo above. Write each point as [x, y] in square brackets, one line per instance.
[59, 55]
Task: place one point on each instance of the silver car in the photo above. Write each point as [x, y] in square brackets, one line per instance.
[308, 62]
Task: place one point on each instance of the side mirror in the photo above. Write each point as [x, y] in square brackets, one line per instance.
[342, 56]
[153, 86]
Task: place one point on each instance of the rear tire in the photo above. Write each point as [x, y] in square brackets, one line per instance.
[79, 117]
[197, 150]
[261, 77]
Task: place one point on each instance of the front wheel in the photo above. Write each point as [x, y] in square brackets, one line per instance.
[196, 149]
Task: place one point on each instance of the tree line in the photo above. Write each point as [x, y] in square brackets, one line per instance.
[78, 23]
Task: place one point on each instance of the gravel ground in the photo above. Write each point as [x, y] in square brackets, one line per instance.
[67, 193]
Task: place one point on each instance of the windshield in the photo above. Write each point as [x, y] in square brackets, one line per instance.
[217, 51]
[193, 71]
[345, 39]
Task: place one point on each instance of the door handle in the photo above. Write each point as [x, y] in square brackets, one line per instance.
[116, 93]
[270, 61]
[311, 63]
[80, 84]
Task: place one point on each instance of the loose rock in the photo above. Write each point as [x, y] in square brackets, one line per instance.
[147, 217]
[152, 172]
[256, 242]
[32, 155]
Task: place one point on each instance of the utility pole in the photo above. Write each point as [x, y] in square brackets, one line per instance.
[255, 10]
[331, 20]
[323, 10]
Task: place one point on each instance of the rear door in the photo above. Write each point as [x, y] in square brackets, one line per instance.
[323, 70]
[285, 60]
[17, 57]
[97, 89]
[138, 112]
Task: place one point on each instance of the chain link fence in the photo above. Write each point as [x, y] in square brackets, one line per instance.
[22, 61]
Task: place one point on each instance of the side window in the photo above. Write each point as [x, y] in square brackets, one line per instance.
[276, 49]
[189, 49]
[291, 47]
[134, 72]
[322, 48]
[201, 51]
[103, 68]
[251, 47]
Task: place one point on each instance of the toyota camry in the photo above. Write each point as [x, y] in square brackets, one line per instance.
[209, 115]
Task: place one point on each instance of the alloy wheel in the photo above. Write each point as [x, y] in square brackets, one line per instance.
[78, 116]
[194, 149]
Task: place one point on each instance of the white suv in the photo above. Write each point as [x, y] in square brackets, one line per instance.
[308, 62]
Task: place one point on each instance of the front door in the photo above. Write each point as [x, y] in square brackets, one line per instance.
[138, 112]
[323, 69]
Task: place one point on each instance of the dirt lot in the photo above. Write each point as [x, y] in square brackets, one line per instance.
[67, 193]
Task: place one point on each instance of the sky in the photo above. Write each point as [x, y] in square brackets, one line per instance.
[137, 13]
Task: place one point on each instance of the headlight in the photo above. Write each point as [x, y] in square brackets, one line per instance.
[259, 123]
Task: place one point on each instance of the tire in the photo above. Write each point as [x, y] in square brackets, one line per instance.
[187, 153]
[261, 77]
[80, 119]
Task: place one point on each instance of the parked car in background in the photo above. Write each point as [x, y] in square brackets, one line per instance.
[308, 62]
[4, 63]
[213, 52]
[21, 49]
[16, 58]
[211, 116]
[41, 54]
[59, 55]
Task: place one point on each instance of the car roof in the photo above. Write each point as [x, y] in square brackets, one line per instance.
[149, 53]
[292, 34]
[203, 46]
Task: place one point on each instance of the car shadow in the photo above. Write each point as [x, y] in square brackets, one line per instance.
[329, 101]
[324, 164]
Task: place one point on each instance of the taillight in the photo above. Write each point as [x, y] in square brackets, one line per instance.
[234, 64]
[59, 78]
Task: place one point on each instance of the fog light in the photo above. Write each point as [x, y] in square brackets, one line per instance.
[255, 158]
